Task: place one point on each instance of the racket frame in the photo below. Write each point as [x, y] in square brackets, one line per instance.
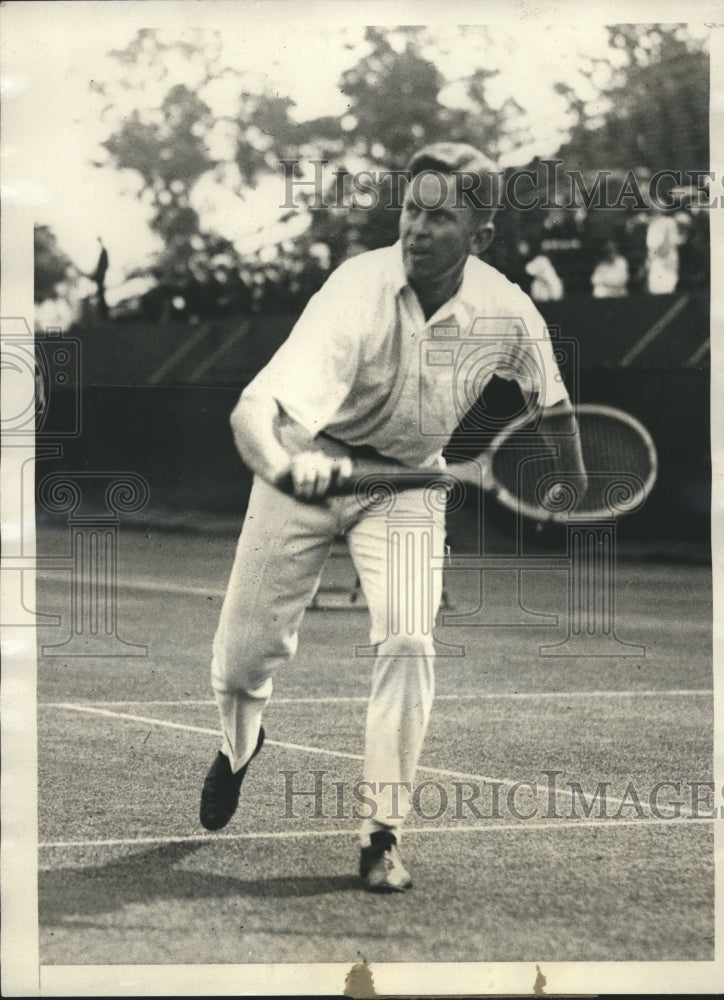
[523, 507]
[372, 481]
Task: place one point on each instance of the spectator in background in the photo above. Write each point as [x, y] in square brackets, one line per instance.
[514, 269]
[662, 243]
[546, 286]
[99, 276]
[610, 276]
[634, 244]
[563, 241]
[693, 248]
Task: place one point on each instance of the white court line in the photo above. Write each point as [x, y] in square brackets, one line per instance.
[196, 729]
[150, 586]
[440, 771]
[470, 696]
[503, 827]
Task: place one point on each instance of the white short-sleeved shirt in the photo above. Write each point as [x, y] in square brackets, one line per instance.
[364, 365]
[609, 278]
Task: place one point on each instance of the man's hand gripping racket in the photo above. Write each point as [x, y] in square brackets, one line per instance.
[528, 470]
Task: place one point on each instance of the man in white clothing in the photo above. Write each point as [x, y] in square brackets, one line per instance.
[369, 365]
[662, 243]
[610, 276]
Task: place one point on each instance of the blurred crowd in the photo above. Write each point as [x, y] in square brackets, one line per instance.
[608, 254]
[552, 255]
[561, 254]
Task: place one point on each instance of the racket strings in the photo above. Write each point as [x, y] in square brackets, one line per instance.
[617, 457]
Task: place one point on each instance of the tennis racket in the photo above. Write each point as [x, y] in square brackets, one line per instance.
[522, 468]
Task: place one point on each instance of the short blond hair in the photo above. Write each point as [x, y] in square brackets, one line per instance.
[463, 162]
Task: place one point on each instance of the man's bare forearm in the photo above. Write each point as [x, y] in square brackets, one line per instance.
[289, 459]
[559, 428]
[254, 423]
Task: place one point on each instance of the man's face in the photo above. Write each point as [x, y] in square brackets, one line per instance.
[437, 230]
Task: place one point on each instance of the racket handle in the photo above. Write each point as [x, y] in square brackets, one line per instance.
[367, 474]
[472, 473]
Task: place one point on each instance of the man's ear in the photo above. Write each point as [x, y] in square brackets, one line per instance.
[483, 237]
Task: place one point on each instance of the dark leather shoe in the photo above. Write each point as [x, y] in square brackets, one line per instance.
[380, 865]
[220, 794]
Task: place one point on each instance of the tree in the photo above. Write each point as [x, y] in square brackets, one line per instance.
[51, 264]
[171, 130]
[652, 111]
[383, 133]
[172, 144]
[386, 131]
[503, 129]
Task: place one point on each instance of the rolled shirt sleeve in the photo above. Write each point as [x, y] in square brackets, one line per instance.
[529, 356]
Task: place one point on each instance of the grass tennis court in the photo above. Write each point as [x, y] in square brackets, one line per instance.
[128, 876]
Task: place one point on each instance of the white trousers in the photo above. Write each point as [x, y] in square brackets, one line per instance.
[398, 552]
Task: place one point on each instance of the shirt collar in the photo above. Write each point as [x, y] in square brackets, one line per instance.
[458, 305]
[398, 277]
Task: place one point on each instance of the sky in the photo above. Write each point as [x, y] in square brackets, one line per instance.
[50, 63]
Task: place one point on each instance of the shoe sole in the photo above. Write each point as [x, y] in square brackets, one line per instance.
[384, 888]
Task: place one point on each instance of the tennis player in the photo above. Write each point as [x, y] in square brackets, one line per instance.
[355, 373]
